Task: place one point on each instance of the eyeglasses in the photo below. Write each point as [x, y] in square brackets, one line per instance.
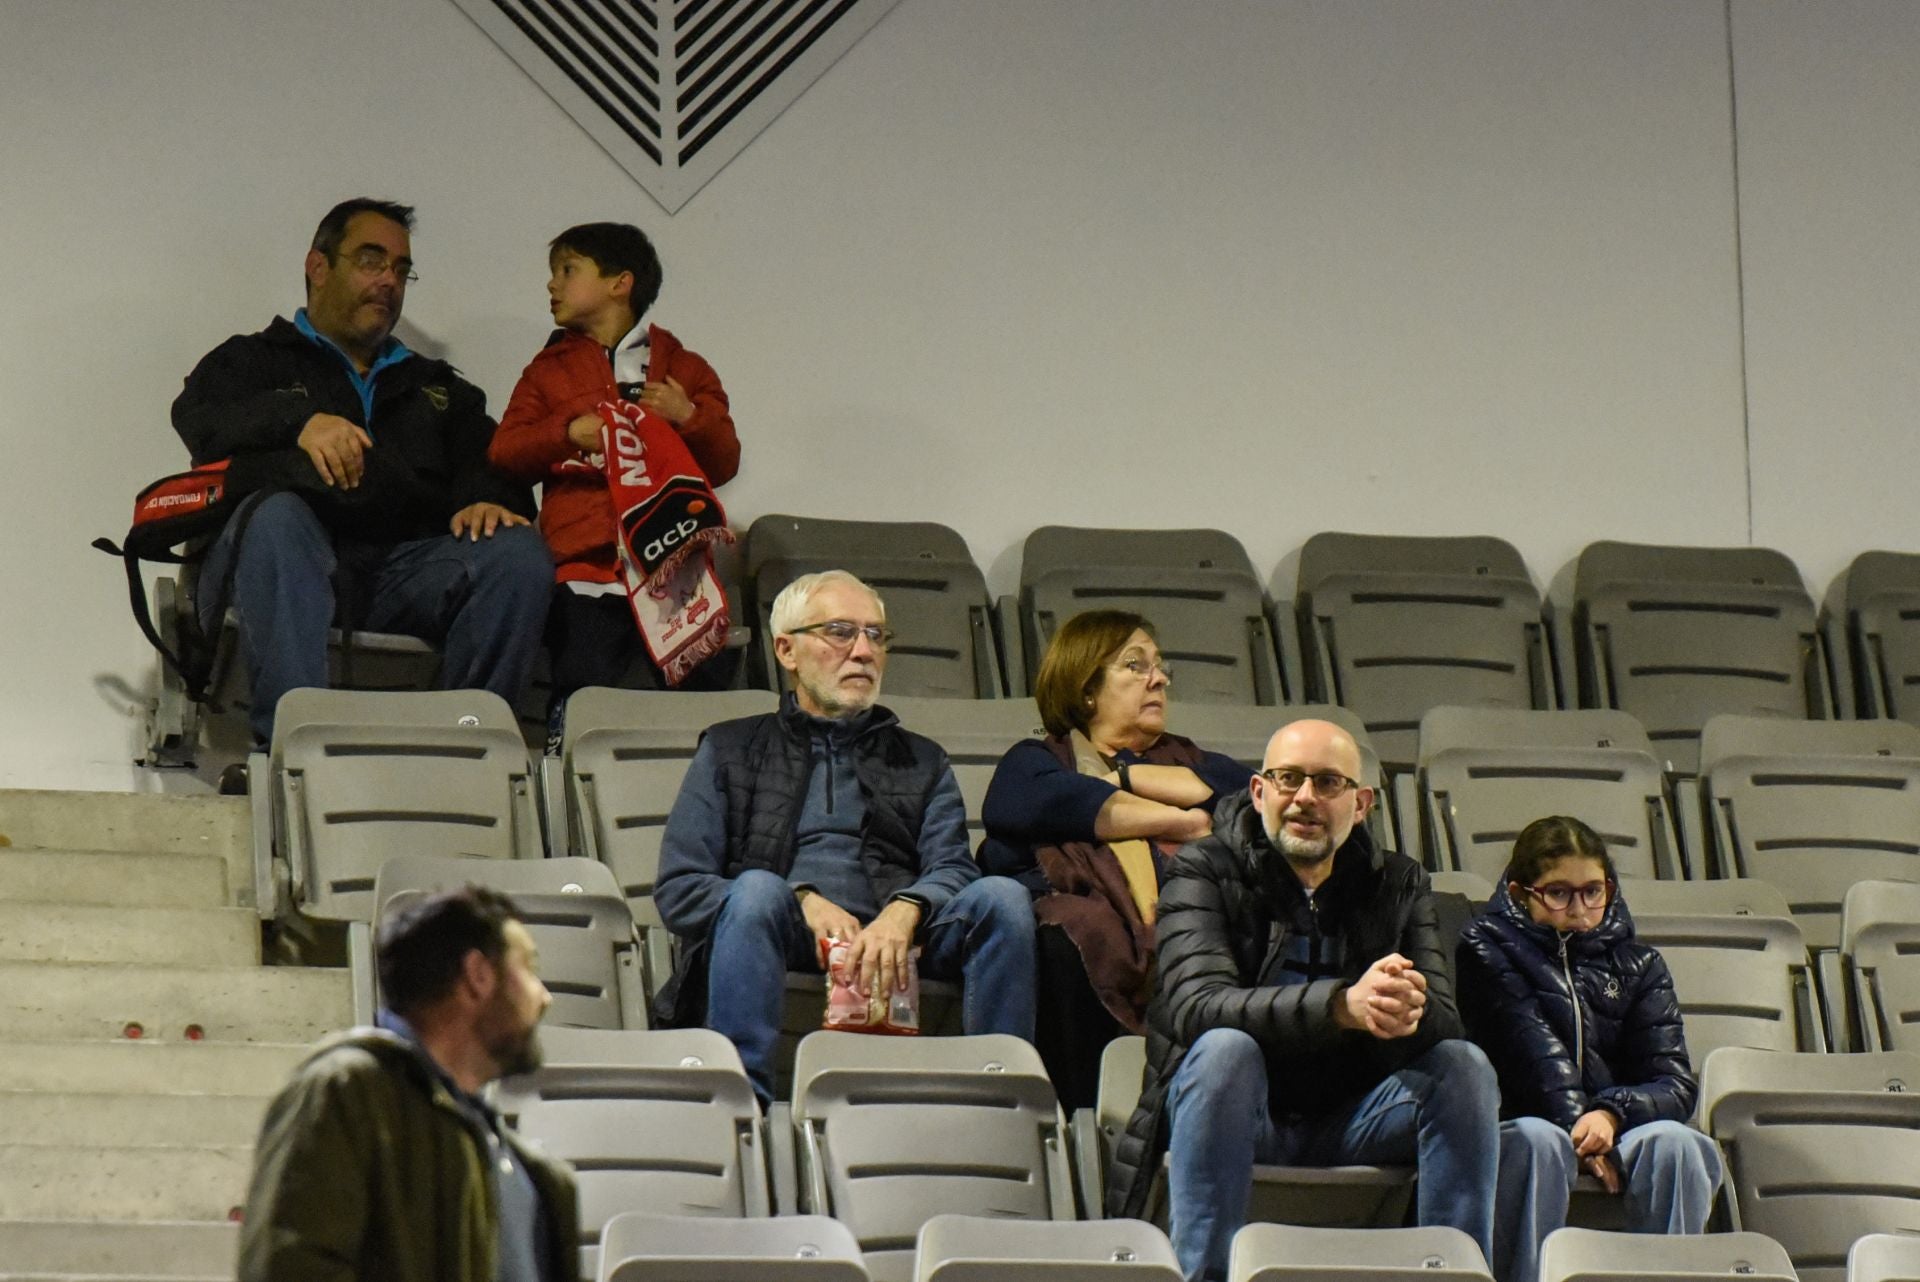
[1559, 897]
[840, 633]
[1144, 670]
[1326, 783]
[374, 262]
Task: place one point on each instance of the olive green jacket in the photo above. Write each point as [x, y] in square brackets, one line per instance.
[369, 1168]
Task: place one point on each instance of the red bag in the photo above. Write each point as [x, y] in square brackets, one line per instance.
[895, 1013]
[177, 510]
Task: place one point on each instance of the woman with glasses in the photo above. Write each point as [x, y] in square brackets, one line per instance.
[1086, 818]
[1581, 1022]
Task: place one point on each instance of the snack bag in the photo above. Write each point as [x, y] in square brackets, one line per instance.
[896, 1013]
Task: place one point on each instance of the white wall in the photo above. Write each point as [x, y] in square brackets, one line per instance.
[1271, 265]
[1830, 188]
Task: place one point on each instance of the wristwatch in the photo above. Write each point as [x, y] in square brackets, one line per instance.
[1126, 782]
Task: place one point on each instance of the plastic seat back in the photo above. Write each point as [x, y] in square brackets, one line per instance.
[1813, 807]
[358, 777]
[639, 1247]
[975, 734]
[1880, 940]
[936, 597]
[1820, 1148]
[1676, 635]
[625, 754]
[1486, 773]
[588, 953]
[1591, 1255]
[1291, 1253]
[1197, 587]
[1394, 627]
[972, 1248]
[1741, 981]
[895, 1129]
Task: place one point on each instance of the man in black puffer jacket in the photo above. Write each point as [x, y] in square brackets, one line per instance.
[369, 466]
[1601, 1083]
[1304, 1014]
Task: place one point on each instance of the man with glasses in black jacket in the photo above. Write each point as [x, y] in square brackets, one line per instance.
[1304, 1014]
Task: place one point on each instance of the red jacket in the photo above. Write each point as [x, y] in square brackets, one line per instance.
[570, 377]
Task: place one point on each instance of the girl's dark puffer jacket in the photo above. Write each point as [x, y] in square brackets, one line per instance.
[1619, 1047]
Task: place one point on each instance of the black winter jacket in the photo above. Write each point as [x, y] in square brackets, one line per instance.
[1226, 912]
[248, 398]
[1619, 1046]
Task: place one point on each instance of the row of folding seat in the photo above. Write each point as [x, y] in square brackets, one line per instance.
[957, 1248]
[883, 1132]
[1389, 627]
[355, 778]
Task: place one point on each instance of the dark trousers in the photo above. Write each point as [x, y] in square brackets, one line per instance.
[594, 641]
[1072, 1025]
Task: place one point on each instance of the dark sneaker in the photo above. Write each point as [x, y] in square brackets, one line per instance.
[233, 780]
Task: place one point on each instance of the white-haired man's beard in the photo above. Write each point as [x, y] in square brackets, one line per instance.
[839, 699]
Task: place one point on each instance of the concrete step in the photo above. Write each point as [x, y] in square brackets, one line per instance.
[103, 1067]
[129, 1121]
[95, 1249]
[135, 823]
[112, 878]
[44, 1001]
[43, 1182]
[207, 937]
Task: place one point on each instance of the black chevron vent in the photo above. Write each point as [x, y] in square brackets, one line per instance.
[674, 89]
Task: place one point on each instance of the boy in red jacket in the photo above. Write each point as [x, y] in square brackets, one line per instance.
[605, 277]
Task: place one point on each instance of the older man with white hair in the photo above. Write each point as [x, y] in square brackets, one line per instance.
[828, 820]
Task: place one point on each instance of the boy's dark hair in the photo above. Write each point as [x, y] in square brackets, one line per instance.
[616, 248]
[1555, 837]
[423, 947]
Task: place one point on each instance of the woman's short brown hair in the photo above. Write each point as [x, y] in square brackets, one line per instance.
[1075, 665]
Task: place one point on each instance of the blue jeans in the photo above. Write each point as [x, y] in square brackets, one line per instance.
[484, 603]
[1672, 1173]
[982, 937]
[1441, 1113]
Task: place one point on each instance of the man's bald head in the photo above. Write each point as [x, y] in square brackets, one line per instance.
[1311, 819]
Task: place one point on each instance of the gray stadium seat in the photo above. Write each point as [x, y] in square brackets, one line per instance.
[1675, 635]
[936, 597]
[1288, 1253]
[1393, 627]
[638, 1247]
[1338, 1196]
[894, 1129]
[1820, 1148]
[973, 1248]
[975, 733]
[357, 777]
[661, 1121]
[1871, 621]
[1470, 886]
[1880, 942]
[588, 952]
[1486, 773]
[1884, 1257]
[1729, 897]
[624, 754]
[1589, 1255]
[1196, 586]
[1741, 981]
[1813, 808]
